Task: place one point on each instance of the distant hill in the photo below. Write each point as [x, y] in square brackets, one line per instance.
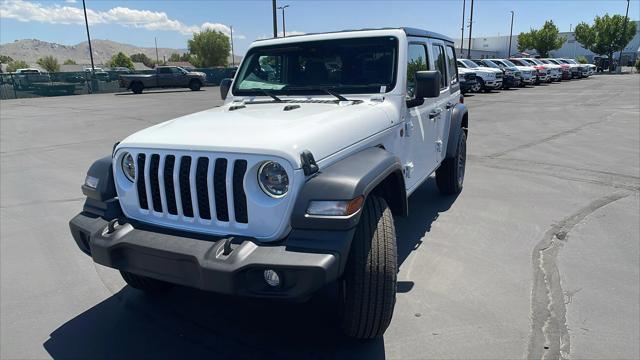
[30, 50]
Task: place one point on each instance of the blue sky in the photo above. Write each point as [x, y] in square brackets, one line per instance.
[173, 22]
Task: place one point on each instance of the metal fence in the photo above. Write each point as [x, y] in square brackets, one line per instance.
[17, 86]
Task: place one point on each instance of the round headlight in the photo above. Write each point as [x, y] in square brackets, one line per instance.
[273, 179]
[129, 167]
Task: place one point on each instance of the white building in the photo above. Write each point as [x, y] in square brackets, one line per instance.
[498, 46]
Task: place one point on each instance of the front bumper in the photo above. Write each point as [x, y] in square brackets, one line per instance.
[493, 84]
[511, 81]
[305, 261]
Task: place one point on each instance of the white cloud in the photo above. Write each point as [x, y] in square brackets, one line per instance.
[27, 11]
[70, 1]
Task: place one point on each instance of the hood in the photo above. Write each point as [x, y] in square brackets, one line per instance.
[198, 73]
[526, 68]
[266, 128]
[485, 69]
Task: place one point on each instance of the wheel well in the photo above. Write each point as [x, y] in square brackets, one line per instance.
[196, 80]
[135, 83]
[393, 191]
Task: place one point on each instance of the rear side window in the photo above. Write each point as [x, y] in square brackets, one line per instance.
[416, 61]
[441, 64]
[453, 69]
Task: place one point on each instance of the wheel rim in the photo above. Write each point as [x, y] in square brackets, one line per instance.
[461, 162]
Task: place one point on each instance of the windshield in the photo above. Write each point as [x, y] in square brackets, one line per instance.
[545, 61]
[508, 63]
[570, 61]
[346, 66]
[490, 63]
[469, 63]
[30, 72]
[528, 61]
[182, 70]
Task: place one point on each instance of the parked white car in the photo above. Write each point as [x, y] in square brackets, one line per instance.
[294, 182]
[556, 70]
[527, 73]
[488, 78]
[542, 74]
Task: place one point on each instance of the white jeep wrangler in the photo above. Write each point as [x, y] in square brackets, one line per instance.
[293, 183]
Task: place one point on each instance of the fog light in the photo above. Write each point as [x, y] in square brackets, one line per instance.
[272, 278]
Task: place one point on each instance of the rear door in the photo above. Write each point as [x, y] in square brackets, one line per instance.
[441, 115]
[165, 77]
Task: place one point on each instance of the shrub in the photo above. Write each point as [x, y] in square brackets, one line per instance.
[638, 65]
[582, 60]
[15, 65]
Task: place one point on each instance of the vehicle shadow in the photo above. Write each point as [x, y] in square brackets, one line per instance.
[189, 323]
[148, 92]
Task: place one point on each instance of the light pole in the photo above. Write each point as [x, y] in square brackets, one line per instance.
[470, 28]
[86, 22]
[510, 35]
[275, 19]
[624, 30]
[464, 3]
[233, 58]
[284, 31]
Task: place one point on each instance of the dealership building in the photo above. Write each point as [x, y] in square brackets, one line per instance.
[498, 47]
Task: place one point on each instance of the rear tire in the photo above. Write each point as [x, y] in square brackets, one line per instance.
[450, 174]
[137, 88]
[144, 283]
[195, 85]
[368, 288]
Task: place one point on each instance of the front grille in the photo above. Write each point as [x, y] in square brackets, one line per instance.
[499, 76]
[192, 187]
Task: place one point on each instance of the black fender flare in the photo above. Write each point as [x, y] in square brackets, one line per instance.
[457, 115]
[102, 200]
[356, 175]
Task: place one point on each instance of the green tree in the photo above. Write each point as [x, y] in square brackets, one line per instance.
[142, 58]
[49, 63]
[582, 60]
[209, 48]
[15, 65]
[606, 35]
[120, 60]
[4, 59]
[69, 62]
[175, 57]
[542, 40]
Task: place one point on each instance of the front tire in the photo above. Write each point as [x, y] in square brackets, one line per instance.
[368, 288]
[450, 174]
[144, 283]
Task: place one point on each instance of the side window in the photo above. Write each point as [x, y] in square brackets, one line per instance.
[441, 64]
[453, 69]
[416, 61]
[164, 70]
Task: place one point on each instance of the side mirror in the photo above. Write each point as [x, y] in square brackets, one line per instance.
[225, 85]
[427, 84]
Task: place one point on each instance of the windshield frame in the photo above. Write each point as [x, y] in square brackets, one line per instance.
[489, 63]
[508, 63]
[315, 89]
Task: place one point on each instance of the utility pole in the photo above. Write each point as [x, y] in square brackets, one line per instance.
[464, 3]
[233, 58]
[624, 30]
[275, 19]
[510, 35]
[157, 57]
[470, 29]
[284, 31]
[86, 22]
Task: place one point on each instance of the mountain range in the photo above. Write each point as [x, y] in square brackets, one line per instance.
[30, 50]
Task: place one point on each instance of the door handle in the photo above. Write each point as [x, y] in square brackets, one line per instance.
[434, 113]
[450, 105]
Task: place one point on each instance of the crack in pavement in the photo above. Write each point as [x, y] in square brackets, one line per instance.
[564, 172]
[549, 337]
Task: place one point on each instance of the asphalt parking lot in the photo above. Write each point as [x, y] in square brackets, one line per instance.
[540, 253]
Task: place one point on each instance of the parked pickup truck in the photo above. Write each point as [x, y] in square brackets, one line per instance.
[294, 182]
[25, 78]
[165, 77]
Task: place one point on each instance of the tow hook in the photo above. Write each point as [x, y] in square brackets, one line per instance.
[111, 227]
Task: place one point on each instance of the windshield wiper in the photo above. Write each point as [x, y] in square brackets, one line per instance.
[269, 94]
[326, 90]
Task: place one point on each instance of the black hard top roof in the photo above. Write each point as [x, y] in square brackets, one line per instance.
[409, 31]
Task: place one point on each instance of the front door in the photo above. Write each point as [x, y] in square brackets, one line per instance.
[419, 124]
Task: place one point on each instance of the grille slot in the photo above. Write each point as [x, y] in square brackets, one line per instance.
[220, 189]
[239, 197]
[188, 188]
[142, 189]
[202, 191]
[185, 186]
[170, 194]
[154, 182]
